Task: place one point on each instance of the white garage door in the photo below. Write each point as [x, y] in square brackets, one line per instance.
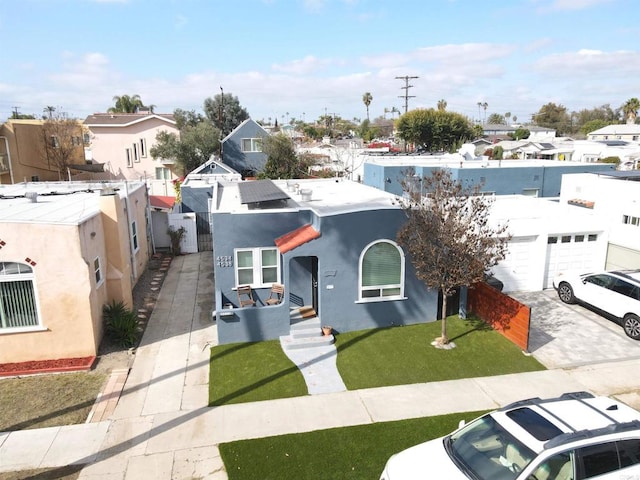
[516, 271]
[570, 252]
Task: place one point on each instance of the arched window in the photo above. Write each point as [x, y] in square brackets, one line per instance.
[18, 308]
[382, 271]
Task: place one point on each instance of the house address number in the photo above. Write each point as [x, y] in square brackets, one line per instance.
[224, 261]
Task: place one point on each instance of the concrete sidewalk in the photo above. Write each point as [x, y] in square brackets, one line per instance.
[163, 429]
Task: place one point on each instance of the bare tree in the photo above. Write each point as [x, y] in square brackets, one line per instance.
[62, 140]
[448, 234]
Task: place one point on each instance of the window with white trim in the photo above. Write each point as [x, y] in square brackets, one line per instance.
[129, 160]
[251, 144]
[258, 267]
[631, 220]
[18, 306]
[381, 272]
[143, 147]
[134, 235]
[97, 271]
[163, 173]
[136, 157]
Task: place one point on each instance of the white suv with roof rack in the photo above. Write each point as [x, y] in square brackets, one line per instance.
[615, 293]
[573, 437]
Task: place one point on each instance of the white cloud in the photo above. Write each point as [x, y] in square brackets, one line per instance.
[590, 62]
[306, 65]
[569, 5]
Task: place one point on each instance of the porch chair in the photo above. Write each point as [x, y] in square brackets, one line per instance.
[276, 294]
[245, 296]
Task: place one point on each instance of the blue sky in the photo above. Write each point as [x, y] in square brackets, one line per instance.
[306, 58]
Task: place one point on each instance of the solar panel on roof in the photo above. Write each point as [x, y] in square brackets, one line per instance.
[260, 191]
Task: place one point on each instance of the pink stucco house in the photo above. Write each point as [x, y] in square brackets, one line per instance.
[122, 142]
[66, 249]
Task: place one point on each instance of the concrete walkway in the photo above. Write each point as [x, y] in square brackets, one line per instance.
[162, 428]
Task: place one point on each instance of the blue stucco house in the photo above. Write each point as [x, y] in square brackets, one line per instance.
[242, 148]
[330, 243]
[536, 178]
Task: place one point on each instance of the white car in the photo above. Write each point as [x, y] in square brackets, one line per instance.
[573, 437]
[615, 293]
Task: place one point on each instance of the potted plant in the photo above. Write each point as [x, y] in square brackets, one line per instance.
[326, 330]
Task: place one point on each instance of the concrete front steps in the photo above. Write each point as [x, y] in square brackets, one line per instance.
[305, 331]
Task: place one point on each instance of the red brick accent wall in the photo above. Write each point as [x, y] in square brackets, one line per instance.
[503, 313]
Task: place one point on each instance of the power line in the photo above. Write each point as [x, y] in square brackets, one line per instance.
[406, 88]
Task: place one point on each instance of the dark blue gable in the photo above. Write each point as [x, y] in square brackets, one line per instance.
[248, 163]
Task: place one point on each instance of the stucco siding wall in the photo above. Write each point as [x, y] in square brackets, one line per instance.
[338, 249]
[63, 291]
[343, 239]
[109, 144]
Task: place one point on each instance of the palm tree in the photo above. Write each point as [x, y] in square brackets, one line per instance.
[442, 105]
[49, 111]
[485, 105]
[630, 109]
[507, 116]
[126, 104]
[366, 99]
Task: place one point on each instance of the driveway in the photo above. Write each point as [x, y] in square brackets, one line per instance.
[564, 336]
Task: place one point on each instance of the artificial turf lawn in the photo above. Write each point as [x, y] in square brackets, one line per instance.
[250, 372]
[358, 452]
[403, 355]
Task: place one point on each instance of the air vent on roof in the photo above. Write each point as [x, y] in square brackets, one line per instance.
[305, 194]
[33, 196]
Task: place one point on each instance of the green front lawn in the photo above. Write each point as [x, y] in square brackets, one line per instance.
[358, 452]
[404, 355]
[251, 372]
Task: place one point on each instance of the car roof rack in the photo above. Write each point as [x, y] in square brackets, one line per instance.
[584, 434]
[537, 400]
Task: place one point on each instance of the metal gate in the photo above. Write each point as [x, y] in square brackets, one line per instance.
[189, 243]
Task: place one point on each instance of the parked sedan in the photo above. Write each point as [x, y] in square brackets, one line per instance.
[614, 293]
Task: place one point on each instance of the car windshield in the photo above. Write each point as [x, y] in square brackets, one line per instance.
[486, 451]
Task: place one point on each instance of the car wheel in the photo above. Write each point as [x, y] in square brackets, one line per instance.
[565, 292]
[632, 326]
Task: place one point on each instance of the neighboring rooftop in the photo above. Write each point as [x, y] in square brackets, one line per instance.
[67, 203]
[456, 161]
[124, 119]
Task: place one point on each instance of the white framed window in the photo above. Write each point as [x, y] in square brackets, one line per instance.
[54, 142]
[143, 147]
[97, 271]
[251, 144]
[381, 272]
[134, 236]
[18, 304]
[163, 173]
[258, 267]
[136, 156]
[129, 159]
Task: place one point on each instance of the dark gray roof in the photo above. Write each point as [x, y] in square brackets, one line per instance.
[257, 191]
[613, 143]
[624, 175]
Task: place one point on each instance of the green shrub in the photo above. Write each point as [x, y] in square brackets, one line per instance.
[121, 324]
[615, 160]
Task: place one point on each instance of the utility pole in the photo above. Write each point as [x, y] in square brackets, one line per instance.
[221, 120]
[15, 112]
[406, 88]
